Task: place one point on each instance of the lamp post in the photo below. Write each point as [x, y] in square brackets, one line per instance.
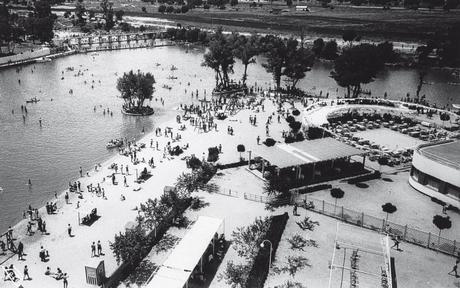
[271, 248]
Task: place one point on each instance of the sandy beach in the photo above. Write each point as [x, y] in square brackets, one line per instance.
[116, 214]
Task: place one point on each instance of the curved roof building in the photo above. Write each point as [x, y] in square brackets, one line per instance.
[436, 171]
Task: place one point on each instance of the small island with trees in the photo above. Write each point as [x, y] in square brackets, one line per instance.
[135, 88]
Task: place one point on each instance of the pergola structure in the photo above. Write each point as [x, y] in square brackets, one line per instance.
[311, 161]
[360, 263]
[188, 256]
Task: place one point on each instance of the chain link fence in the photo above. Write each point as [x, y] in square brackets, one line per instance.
[407, 233]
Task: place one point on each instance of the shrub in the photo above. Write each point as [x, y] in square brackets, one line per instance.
[290, 119]
[233, 2]
[162, 8]
[259, 271]
[296, 112]
[269, 142]
[184, 9]
[169, 9]
[144, 9]
[194, 163]
[177, 11]
[295, 126]
[222, 7]
[362, 178]
[206, 6]
[213, 154]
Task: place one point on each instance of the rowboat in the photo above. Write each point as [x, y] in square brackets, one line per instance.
[456, 106]
[33, 100]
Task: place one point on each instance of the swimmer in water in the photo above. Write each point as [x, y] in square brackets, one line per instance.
[29, 183]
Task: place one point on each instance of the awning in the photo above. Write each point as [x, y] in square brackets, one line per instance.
[307, 151]
[176, 270]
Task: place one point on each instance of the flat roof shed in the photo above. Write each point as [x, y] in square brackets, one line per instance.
[176, 270]
[308, 151]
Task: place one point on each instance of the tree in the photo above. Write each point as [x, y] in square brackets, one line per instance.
[107, 12]
[441, 223]
[337, 193]
[357, 65]
[119, 15]
[135, 88]
[294, 264]
[289, 3]
[42, 9]
[246, 240]
[235, 274]
[350, 36]
[240, 148]
[298, 62]
[386, 52]
[318, 46]
[220, 58]
[330, 50]
[233, 2]
[389, 209]
[80, 12]
[307, 224]
[184, 9]
[130, 247]
[276, 51]
[421, 64]
[246, 49]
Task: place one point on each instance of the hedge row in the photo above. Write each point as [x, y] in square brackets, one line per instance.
[124, 270]
[319, 187]
[366, 177]
[234, 164]
[259, 270]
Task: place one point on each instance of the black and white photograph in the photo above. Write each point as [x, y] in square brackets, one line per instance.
[229, 143]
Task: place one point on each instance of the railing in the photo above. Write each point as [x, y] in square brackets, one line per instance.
[407, 233]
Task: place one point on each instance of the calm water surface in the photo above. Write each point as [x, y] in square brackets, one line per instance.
[73, 135]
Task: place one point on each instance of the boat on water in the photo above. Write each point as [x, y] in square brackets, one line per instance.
[33, 100]
[173, 68]
[172, 77]
[43, 60]
[167, 87]
[456, 106]
[114, 143]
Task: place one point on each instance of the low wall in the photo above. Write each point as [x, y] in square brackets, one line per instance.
[27, 55]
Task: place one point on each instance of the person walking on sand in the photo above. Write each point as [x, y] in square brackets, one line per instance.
[26, 273]
[99, 248]
[124, 180]
[93, 250]
[65, 281]
[66, 197]
[20, 250]
[396, 243]
[454, 269]
[69, 230]
[81, 172]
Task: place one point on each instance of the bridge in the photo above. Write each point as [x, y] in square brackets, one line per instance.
[114, 41]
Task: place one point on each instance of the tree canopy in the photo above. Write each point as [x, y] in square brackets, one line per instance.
[357, 65]
[135, 88]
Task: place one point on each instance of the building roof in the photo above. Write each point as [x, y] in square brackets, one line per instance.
[446, 153]
[176, 270]
[298, 153]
